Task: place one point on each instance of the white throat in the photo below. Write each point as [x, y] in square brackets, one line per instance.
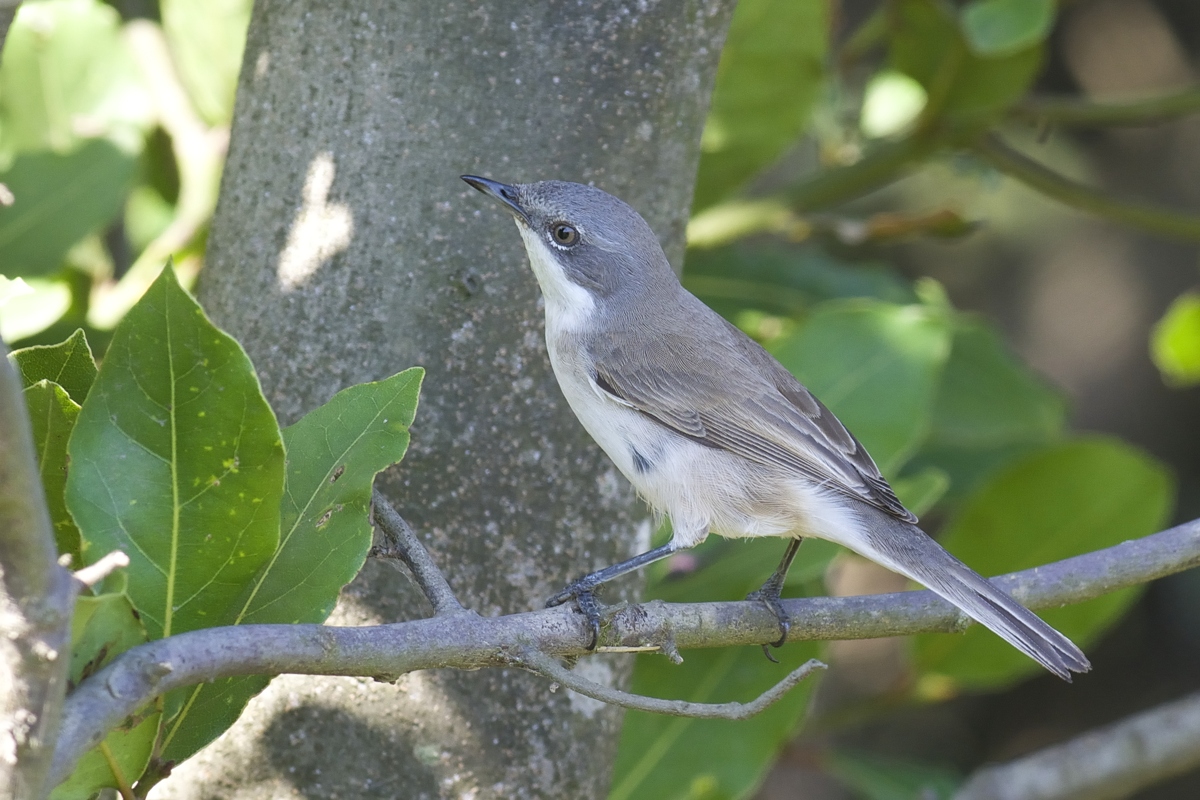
[569, 306]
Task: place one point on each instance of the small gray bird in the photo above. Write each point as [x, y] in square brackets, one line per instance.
[708, 427]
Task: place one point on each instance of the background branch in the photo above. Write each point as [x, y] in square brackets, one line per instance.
[1073, 111]
[1155, 219]
[1106, 764]
[36, 595]
[470, 642]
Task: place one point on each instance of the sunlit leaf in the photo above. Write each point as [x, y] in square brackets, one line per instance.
[207, 40]
[1175, 344]
[767, 82]
[69, 364]
[52, 416]
[333, 455]
[176, 459]
[102, 628]
[1067, 499]
[67, 75]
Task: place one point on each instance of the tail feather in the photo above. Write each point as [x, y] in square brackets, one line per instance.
[906, 549]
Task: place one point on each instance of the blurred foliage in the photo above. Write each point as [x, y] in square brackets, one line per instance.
[90, 165]
[99, 184]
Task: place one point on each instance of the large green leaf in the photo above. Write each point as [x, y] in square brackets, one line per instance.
[102, 628]
[333, 456]
[59, 199]
[52, 415]
[990, 409]
[876, 366]
[968, 90]
[67, 75]
[207, 40]
[177, 460]
[672, 758]
[767, 82]
[876, 778]
[1069, 498]
[69, 364]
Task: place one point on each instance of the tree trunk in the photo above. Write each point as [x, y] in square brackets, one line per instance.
[345, 249]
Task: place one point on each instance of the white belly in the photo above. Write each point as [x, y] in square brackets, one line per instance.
[701, 488]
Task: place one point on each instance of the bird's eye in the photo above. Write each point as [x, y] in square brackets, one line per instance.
[564, 235]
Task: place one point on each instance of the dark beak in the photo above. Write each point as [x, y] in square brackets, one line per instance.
[500, 191]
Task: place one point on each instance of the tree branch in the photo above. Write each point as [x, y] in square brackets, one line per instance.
[1155, 219]
[36, 596]
[547, 666]
[1109, 763]
[470, 642]
[1071, 111]
[401, 543]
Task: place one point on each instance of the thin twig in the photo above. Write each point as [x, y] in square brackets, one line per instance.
[1073, 111]
[546, 665]
[93, 574]
[402, 543]
[139, 675]
[1155, 219]
[1105, 764]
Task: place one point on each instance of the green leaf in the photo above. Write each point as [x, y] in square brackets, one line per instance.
[69, 364]
[1175, 344]
[333, 456]
[767, 83]
[207, 40]
[1002, 27]
[876, 778]
[58, 200]
[966, 90]
[52, 415]
[1067, 499]
[68, 75]
[851, 354]
[671, 758]
[990, 409]
[102, 628]
[176, 459]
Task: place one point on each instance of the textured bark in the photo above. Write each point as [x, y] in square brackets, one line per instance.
[35, 606]
[345, 249]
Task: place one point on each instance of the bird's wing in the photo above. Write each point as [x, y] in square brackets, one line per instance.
[725, 391]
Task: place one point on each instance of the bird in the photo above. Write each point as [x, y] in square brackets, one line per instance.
[709, 428]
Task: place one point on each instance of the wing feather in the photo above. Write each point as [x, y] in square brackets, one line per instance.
[725, 391]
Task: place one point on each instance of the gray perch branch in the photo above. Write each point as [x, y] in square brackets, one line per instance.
[470, 642]
[1105, 764]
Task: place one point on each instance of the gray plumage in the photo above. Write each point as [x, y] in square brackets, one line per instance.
[707, 425]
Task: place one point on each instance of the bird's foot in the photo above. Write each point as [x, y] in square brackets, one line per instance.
[769, 596]
[582, 592]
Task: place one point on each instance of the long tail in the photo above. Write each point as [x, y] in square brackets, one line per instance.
[906, 549]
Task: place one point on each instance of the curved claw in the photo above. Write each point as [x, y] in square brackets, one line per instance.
[586, 602]
[770, 599]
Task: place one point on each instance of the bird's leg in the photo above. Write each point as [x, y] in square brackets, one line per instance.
[582, 590]
[769, 594]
